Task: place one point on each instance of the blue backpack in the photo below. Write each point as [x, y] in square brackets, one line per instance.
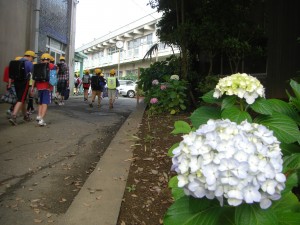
[53, 77]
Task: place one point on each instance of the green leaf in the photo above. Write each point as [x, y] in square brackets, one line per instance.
[254, 215]
[295, 102]
[209, 98]
[177, 192]
[291, 182]
[289, 149]
[172, 148]
[182, 107]
[292, 162]
[192, 211]
[296, 88]
[235, 115]
[287, 209]
[181, 127]
[262, 106]
[285, 129]
[203, 114]
[284, 108]
[228, 102]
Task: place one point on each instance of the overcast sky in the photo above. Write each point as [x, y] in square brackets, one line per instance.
[95, 18]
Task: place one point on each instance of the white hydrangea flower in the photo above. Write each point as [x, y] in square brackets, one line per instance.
[240, 163]
[241, 85]
[174, 77]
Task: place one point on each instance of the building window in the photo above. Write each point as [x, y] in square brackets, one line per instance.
[147, 40]
[55, 48]
[112, 50]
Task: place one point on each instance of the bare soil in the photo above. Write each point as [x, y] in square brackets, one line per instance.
[147, 196]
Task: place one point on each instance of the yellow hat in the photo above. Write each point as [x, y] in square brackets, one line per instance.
[62, 58]
[112, 72]
[46, 56]
[52, 59]
[102, 75]
[98, 71]
[87, 72]
[18, 57]
[30, 53]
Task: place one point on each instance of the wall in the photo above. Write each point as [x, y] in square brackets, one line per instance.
[283, 50]
[15, 21]
[53, 22]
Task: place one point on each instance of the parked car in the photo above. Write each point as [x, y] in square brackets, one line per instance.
[127, 88]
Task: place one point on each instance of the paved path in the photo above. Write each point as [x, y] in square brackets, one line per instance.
[41, 165]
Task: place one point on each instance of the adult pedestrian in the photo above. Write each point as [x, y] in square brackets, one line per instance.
[86, 83]
[21, 86]
[44, 89]
[97, 84]
[63, 81]
[112, 84]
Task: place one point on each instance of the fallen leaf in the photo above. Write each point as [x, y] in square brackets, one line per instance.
[37, 211]
[148, 159]
[38, 220]
[63, 200]
[154, 171]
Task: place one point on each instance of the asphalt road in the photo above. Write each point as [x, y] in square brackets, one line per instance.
[43, 168]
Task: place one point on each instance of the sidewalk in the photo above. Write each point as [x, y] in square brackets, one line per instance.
[100, 198]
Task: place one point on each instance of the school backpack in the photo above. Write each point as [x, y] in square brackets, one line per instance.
[17, 70]
[95, 83]
[41, 72]
[85, 79]
[53, 77]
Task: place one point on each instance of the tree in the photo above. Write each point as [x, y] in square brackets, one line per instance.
[207, 28]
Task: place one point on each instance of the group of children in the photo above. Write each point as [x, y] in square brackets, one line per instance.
[25, 76]
[97, 84]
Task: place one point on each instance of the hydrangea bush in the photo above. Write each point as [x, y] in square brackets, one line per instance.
[239, 161]
[169, 96]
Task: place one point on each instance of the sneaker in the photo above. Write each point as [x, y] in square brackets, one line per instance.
[55, 101]
[91, 105]
[27, 118]
[60, 103]
[42, 123]
[13, 120]
[38, 118]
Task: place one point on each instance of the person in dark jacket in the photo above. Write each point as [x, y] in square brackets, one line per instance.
[97, 85]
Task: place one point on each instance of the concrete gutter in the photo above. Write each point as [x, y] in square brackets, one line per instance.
[100, 198]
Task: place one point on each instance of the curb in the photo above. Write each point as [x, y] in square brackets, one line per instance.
[99, 200]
